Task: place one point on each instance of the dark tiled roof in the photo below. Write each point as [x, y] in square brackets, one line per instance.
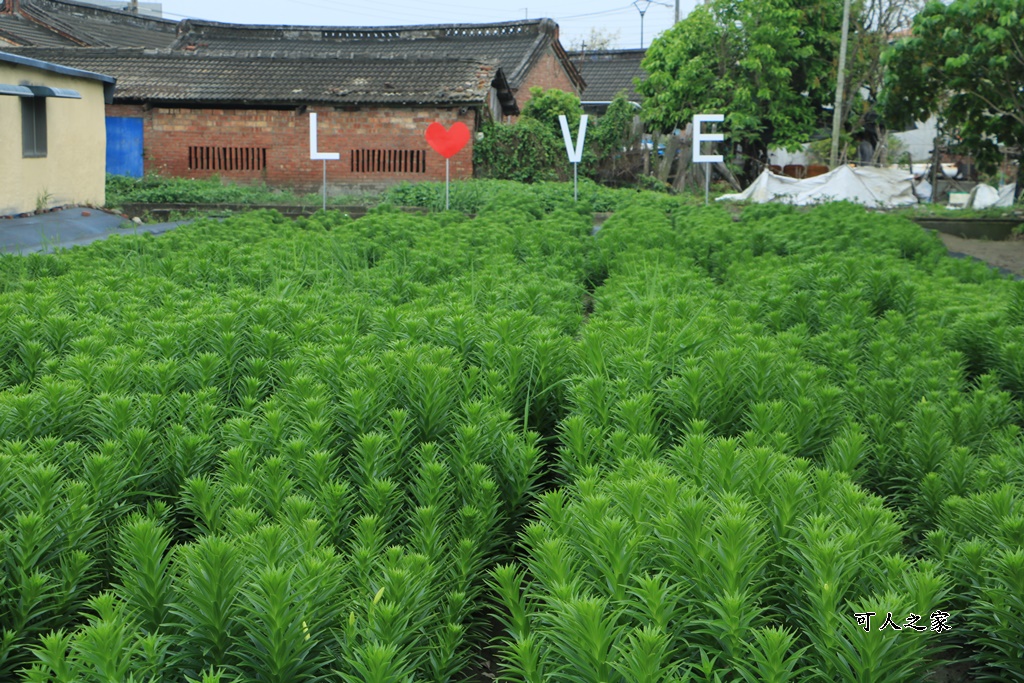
[609, 72]
[50, 23]
[17, 29]
[514, 45]
[169, 77]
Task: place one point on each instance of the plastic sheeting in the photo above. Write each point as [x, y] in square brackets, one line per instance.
[985, 196]
[872, 187]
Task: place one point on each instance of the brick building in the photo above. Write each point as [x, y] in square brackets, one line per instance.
[247, 118]
[232, 87]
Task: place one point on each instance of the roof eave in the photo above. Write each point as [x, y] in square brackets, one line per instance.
[55, 68]
[287, 104]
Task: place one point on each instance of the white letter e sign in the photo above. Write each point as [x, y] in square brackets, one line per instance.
[699, 137]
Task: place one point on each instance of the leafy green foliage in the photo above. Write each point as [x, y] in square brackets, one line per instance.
[760, 64]
[539, 198]
[690, 447]
[155, 189]
[545, 106]
[532, 149]
[964, 63]
[526, 151]
[269, 450]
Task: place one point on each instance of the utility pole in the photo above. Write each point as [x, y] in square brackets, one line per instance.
[677, 11]
[837, 113]
[642, 12]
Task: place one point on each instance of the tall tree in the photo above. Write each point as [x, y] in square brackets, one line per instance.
[873, 24]
[768, 65]
[965, 63]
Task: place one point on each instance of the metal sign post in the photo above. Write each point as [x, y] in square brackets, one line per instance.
[320, 156]
[707, 184]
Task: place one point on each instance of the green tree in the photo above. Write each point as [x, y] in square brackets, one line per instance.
[767, 65]
[545, 106]
[873, 23]
[964, 63]
[531, 149]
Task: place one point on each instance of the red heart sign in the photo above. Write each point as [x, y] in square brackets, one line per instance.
[447, 143]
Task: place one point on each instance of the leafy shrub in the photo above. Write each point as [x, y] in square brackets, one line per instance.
[526, 151]
[545, 106]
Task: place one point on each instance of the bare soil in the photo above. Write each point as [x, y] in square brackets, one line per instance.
[1007, 255]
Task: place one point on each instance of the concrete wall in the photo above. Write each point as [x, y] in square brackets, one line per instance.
[73, 171]
[283, 137]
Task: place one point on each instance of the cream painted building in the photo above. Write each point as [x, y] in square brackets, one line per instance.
[52, 135]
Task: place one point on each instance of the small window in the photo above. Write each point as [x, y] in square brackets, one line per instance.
[33, 127]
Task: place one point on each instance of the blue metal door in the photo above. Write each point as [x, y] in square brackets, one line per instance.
[124, 146]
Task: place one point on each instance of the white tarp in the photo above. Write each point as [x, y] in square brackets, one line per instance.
[872, 187]
[985, 196]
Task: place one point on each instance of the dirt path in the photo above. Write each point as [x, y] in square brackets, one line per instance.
[1007, 255]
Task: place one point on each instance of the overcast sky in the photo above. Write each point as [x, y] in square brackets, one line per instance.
[575, 17]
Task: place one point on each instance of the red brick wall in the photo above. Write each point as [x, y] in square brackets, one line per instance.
[547, 73]
[168, 134]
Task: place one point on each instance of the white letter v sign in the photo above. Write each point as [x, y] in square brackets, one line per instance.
[575, 153]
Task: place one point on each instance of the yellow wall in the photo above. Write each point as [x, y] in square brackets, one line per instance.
[74, 169]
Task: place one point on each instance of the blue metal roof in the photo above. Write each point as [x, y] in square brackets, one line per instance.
[16, 90]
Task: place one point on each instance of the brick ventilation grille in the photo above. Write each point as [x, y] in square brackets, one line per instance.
[389, 161]
[227, 158]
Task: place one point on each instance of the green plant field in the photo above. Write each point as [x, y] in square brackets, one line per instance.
[154, 189]
[441, 448]
[468, 196]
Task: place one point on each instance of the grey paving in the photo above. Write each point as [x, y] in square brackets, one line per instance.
[67, 228]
